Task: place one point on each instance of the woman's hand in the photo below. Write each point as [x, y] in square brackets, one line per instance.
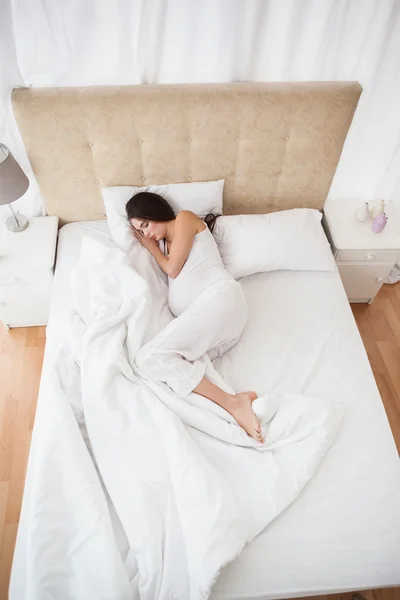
[149, 243]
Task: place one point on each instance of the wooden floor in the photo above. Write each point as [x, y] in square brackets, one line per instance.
[21, 356]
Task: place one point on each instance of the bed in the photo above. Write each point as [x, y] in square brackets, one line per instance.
[343, 531]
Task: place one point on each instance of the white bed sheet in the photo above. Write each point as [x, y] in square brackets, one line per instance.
[343, 532]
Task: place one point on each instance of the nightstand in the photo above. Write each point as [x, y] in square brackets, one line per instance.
[364, 258]
[26, 272]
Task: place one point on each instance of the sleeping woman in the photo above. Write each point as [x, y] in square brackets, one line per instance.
[209, 305]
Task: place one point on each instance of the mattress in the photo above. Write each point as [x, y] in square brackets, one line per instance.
[343, 532]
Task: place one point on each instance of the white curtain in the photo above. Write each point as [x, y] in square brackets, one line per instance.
[10, 77]
[92, 42]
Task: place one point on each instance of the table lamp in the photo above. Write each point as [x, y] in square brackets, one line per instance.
[13, 185]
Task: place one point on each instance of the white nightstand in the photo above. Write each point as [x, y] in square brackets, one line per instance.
[364, 258]
[26, 272]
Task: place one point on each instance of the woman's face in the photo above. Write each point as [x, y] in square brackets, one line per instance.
[151, 229]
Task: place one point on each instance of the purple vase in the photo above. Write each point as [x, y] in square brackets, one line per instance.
[379, 223]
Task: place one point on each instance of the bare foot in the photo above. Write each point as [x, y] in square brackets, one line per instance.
[243, 413]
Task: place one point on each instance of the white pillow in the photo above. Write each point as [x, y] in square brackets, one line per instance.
[200, 197]
[291, 240]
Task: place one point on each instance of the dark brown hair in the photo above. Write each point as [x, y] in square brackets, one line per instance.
[150, 207]
[153, 207]
[210, 220]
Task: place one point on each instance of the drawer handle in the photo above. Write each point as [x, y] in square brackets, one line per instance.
[371, 257]
[380, 279]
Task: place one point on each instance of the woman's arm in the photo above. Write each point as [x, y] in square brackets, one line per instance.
[187, 224]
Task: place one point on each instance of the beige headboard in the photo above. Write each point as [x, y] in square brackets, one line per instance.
[276, 145]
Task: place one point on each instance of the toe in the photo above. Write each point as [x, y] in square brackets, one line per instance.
[256, 424]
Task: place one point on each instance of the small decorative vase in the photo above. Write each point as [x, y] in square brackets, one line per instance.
[362, 213]
[379, 223]
[376, 209]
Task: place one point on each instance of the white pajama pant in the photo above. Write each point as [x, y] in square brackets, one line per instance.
[211, 325]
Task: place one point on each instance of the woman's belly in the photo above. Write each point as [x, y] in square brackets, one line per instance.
[188, 286]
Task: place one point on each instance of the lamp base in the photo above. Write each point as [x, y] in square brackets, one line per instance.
[17, 228]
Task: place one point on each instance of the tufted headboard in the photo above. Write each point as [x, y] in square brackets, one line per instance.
[276, 145]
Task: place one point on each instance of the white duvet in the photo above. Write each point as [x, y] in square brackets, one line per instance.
[187, 487]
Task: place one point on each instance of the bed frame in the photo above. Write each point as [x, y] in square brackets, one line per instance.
[276, 145]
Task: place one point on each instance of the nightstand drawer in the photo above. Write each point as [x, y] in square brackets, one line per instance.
[362, 282]
[25, 305]
[371, 256]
